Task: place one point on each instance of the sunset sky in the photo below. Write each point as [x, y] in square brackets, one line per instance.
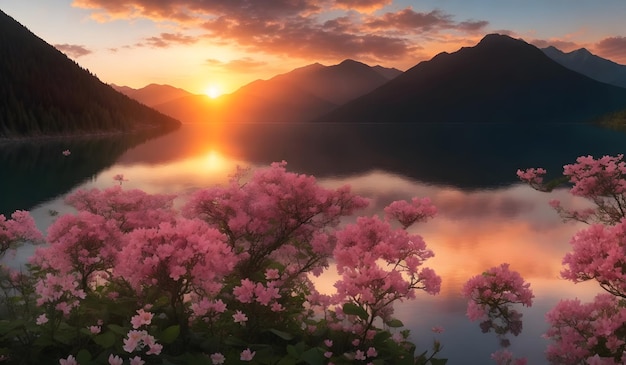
[224, 44]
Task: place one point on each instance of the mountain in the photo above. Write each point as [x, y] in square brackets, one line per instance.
[500, 80]
[297, 96]
[153, 94]
[588, 64]
[43, 92]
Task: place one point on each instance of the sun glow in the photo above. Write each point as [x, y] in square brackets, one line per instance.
[212, 91]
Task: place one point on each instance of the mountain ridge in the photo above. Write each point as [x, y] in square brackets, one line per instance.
[44, 93]
[589, 64]
[499, 80]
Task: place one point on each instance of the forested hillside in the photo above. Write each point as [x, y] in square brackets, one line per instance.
[43, 92]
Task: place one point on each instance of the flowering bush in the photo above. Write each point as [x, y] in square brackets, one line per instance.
[491, 299]
[129, 280]
[593, 333]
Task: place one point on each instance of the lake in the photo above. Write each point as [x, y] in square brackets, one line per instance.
[486, 217]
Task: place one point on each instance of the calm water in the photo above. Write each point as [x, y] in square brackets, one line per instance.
[485, 216]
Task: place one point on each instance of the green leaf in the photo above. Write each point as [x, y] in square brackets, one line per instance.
[170, 334]
[394, 323]
[117, 329]
[313, 356]
[287, 360]
[83, 357]
[234, 341]
[355, 310]
[105, 340]
[439, 361]
[284, 335]
[292, 351]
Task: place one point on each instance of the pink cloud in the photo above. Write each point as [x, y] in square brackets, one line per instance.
[73, 50]
[613, 48]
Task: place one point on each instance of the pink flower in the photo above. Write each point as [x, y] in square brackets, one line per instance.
[115, 360]
[137, 361]
[371, 352]
[69, 361]
[328, 354]
[142, 318]
[240, 317]
[437, 329]
[42, 319]
[217, 358]
[247, 355]
[360, 355]
[95, 329]
[119, 178]
[328, 343]
[66, 153]
[272, 274]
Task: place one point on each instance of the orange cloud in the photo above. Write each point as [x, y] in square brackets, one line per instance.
[294, 28]
[362, 5]
[73, 50]
[613, 48]
[242, 65]
[165, 40]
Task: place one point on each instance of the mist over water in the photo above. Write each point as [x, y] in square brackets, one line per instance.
[486, 217]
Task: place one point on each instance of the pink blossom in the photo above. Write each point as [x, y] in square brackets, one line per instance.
[371, 352]
[217, 358]
[115, 360]
[418, 210]
[437, 329]
[142, 318]
[247, 355]
[69, 361]
[95, 329]
[42, 319]
[328, 354]
[240, 317]
[359, 355]
[137, 361]
[328, 343]
[66, 153]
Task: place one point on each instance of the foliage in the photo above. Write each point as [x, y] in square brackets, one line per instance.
[127, 279]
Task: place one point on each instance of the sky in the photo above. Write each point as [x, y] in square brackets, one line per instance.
[221, 45]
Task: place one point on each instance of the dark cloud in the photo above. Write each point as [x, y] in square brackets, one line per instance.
[472, 26]
[408, 19]
[242, 65]
[73, 50]
[613, 48]
[292, 28]
[165, 40]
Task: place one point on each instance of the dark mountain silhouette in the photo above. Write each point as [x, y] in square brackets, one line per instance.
[43, 92]
[588, 64]
[153, 94]
[500, 80]
[296, 96]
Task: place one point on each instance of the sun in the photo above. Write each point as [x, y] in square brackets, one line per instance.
[212, 91]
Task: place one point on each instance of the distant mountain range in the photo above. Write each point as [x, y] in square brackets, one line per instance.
[588, 64]
[500, 80]
[297, 96]
[43, 92]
